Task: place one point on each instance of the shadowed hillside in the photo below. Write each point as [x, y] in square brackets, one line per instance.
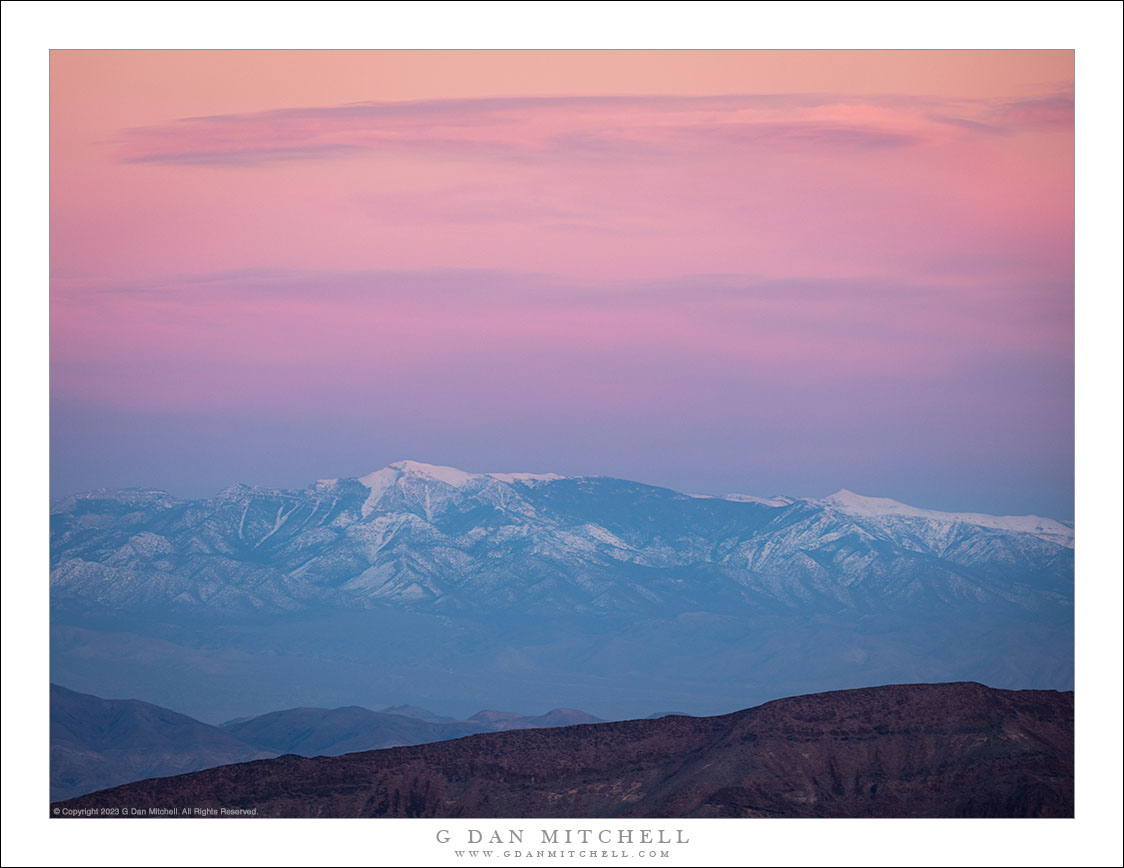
[97, 743]
[924, 750]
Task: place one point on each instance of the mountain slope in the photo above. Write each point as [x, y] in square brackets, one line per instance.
[330, 732]
[429, 584]
[923, 750]
[98, 743]
[438, 539]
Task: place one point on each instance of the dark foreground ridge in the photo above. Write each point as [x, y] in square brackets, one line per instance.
[915, 750]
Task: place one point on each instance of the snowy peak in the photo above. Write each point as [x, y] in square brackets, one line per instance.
[525, 477]
[871, 510]
[858, 505]
[764, 501]
[448, 475]
[428, 537]
[747, 498]
[381, 481]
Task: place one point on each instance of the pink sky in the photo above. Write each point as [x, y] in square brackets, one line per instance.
[590, 239]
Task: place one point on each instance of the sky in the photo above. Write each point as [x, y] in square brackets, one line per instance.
[771, 272]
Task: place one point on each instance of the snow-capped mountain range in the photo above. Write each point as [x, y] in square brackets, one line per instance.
[421, 584]
[431, 538]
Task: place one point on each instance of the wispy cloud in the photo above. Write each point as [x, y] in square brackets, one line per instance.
[1053, 110]
[429, 317]
[976, 126]
[247, 156]
[577, 128]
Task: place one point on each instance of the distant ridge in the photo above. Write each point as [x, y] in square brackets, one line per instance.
[922, 750]
[556, 544]
[98, 743]
[334, 731]
[446, 581]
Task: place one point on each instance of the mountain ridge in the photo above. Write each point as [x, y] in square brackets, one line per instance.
[917, 750]
[595, 591]
[391, 534]
[98, 743]
[379, 480]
